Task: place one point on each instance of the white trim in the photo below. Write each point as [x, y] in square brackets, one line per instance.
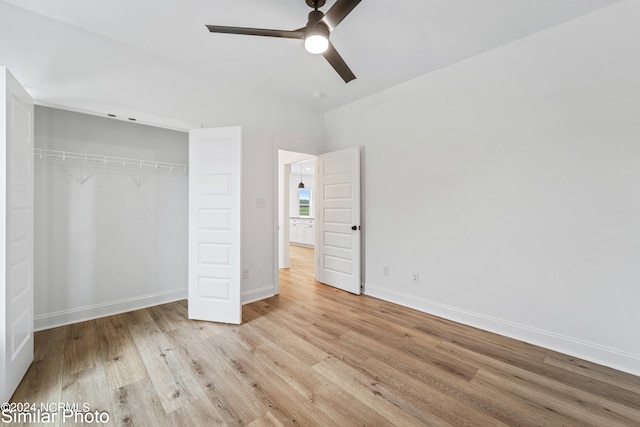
[289, 155]
[596, 353]
[257, 294]
[118, 113]
[95, 311]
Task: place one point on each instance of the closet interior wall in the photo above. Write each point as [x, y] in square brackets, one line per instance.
[108, 238]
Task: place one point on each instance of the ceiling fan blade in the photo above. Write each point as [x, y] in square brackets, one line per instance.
[339, 11]
[296, 34]
[338, 64]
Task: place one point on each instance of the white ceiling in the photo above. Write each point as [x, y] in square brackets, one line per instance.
[156, 56]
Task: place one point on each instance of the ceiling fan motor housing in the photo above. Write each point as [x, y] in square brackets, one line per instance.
[315, 16]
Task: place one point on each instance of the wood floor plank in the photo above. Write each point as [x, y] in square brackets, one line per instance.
[343, 409]
[169, 316]
[41, 384]
[81, 347]
[198, 413]
[285, 403]
[326, 338]
[372, 324]
[452, 399]
[251, 339]
[87, 387]
[572, 413]
[48, 343]
[137, 317]
[594, 371]
[410, 343]
[172, 381]
[439, 364]
[207, 330]
[137, 404]
[537, 373]
[571, 399]
[267, 420]
[298, 375]
[366, 390]
[482, 340]
[233, 397]
[297, 317]
[338, 348]
[295, 345]
[122, 362]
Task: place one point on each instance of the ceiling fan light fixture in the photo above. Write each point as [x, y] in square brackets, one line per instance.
[315, 34]
[316, 40]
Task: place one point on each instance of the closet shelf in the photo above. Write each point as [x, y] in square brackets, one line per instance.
[98, 159]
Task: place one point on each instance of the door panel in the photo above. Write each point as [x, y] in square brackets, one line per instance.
[337, 243]
[17, 259]
[214, 224]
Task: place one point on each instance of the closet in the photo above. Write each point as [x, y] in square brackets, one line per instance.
[111, 202]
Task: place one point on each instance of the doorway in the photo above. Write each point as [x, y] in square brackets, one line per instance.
[296, 212]
[336, 221]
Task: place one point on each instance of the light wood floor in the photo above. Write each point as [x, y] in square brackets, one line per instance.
[318, 356]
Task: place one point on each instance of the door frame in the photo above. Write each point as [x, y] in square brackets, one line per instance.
[282, 178]
[276, 214]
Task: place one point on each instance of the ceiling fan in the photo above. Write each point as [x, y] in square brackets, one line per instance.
[315, 34]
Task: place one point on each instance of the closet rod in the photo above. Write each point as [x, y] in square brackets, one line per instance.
[99, 159]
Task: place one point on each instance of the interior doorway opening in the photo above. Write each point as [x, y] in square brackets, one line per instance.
[336, 222]
[296, 211]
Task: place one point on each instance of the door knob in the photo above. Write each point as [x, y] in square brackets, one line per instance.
[354, 228]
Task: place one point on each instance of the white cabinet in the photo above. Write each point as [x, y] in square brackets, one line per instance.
[309, 232]
[302, 231]
[293, 231]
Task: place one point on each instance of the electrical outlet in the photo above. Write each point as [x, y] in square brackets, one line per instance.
[385, 271]
[415, 277]
[245, 273]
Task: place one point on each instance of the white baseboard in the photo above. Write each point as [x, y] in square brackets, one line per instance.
[257, 294]
[602, 355]
[95, 311]
[81, 314]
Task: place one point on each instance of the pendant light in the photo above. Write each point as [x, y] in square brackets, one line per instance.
[301, 185]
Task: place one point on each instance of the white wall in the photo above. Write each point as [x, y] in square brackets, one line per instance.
[106, 245]
[511, 183]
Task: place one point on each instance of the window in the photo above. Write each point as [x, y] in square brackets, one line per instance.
[304, 200]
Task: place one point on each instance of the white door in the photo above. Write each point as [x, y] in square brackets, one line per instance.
[16, 240]
[214, 224]
[338, 220]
